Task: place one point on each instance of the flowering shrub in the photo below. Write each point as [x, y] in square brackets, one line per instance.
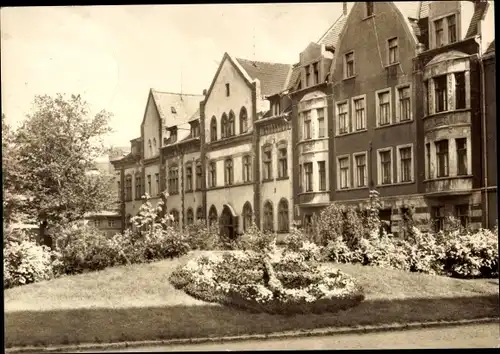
[203, 237]
[26, 262]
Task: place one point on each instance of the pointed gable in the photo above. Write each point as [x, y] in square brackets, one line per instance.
[176, 108]
[273, 77]
[331, 36]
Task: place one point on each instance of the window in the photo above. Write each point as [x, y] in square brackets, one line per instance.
[442, 158]
[308, 171]
[385, 167]
[316, 74]
[212, 216]
[111, 223]
[228, 172]
[393, 50]
[199, 175]
[461, 145]
[173, 135]
[195, 129]
[369, 8]
[384, 106]
[441, 93]
[175, 215]
[322, 175]
[427, 98]
[199, 213]
[231, 126]
[243, 120]
[283, 216]
[307, 125]
[359, 113]
[428, 160]
[224, 126]
[173, 180]
[212, 174]
[247, 216]
[405, 162]
[128, 188]
[343, 172]
[213, 129]
[97, 223]
[462, 213]
[308, 224]
[300, 131]
[157, 183]
[228, 90]
[189, 178]
[321, 122]
[138, 187]
[268, 217]
[282, 163]
[438, 28]
[300, 178]
[343, 119]
[404, 103]
[438, 218]
[308, 76]
[119, 186]
[459, 90]
[189, 217]
[349, 65]
[247, 168]
[149, 184]
[267, 161]
[361, 176]
[173, 110]
[452, 29]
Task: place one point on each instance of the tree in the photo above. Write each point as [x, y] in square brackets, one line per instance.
[55, 148]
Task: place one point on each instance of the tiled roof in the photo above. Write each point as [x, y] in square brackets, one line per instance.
[423, 12]
[331, 36]
[479, 11]
[294, 76]
[176, 108]
[409, 9]
[272, 76]
[491, 48]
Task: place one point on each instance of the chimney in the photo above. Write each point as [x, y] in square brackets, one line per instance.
[344, 8]
[204, 92]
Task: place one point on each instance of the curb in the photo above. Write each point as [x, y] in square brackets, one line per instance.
[279, 335]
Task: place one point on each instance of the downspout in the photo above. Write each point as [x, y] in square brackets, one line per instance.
[484, 137]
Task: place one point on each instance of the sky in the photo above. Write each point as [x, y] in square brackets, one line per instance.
[113, 55]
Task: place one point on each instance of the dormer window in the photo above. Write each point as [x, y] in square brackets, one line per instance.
[438, 30]
[452, 29]
[195, 129]
[173, 135]
[308, 76]
[316, 74]
[369, 8]
[173, 110]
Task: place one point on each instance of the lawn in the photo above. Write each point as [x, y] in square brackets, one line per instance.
[138, 303]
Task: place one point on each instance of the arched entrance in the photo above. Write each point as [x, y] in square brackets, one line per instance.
[227, 222]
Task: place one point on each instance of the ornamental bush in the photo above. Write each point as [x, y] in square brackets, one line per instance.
[202, 236]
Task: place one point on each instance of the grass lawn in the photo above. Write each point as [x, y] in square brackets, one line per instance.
[138, 303]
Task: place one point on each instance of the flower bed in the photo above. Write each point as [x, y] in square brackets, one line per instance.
[240, 279]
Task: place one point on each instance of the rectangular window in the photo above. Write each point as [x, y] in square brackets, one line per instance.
[438, 218]
[459, 90]
[228, 90]
[441, 93]
[404, 104]
[360, 170]
[300, 178]
[385, 167]
[452, 29]
[321, 122]
[267, 160]
[111, 223]
[343, 118]
[212, 174]
[199, 175]
[189, 178]
[405, 164]
[359, 113]
[322, 175]
[308, 76]
[157, 183]
[301, 130]
[307, 125]
[228, 172]
[393, 50]
[282, 163]
[438, 30]
[316, 73]
[349, 64]
[428, 156]
[344, 172]
[427, 98]
[247, 168]
[462, 214]
[461, 156]
[308, 170]
[119, 190]
[442, 158]
[149, 184]
[138, 187]
[384, 108]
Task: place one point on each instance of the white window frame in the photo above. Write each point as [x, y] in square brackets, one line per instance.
[389, 51]
[340, 157]
[325, 130]
[353, 64]
[355, 168]
[379, 166]
[353, 115]
[398, 163]
[346, 102]
[398, 103]
[377, 106]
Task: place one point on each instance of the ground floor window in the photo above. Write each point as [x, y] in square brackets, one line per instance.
[462, 214]
[438, 218]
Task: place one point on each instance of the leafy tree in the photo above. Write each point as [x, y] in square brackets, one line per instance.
[54, 149]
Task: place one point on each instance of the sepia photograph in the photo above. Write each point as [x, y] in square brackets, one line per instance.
[249, 176]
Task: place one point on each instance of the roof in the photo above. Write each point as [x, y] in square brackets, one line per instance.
[479, 12]
[331, 36]
[176, 108]
[294, 76]
[273, 77]
[491, 48]
[423, 10]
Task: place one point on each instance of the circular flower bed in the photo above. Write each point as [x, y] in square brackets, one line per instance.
[293, 285]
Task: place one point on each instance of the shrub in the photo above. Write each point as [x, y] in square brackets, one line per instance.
[329, 224]
[383, 252]
[338, 252]
[26, 262]
[203, 237]
[425, 253]
[353, 229]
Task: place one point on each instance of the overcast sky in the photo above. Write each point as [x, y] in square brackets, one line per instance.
[113, 55]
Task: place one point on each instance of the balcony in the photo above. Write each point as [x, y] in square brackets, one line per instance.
[311, 199]
[447, 119]
[312, 145]
[458, 185]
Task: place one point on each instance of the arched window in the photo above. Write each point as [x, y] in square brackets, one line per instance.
[212, 215]
[173, 179]
[268, 217]
[213, 129]
[223, 126]
[175, 215]
[267, 162]
[243, 120]
[212, 174]
[154, 146]
[199, 213]
[247, 168]
[228, 172]
[283, 216]
[189, 217]
[231, 129]
[199, 175]
[150, 147]
[138, 186]
[247, 216]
